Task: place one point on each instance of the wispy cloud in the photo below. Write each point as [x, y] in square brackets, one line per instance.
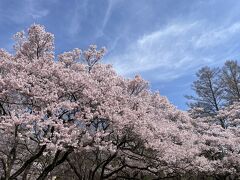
[217, 36]
[110, 7]
[79, 14]
[106, 18]
[175, 49]
[23, 12]
[34, 10]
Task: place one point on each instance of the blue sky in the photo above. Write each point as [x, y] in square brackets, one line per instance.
[165, 41]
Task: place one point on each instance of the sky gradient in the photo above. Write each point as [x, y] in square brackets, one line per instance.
[165, 41]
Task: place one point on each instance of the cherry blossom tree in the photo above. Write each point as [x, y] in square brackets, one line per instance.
[72, 111]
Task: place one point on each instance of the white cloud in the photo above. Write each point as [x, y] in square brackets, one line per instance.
[106, 18]
[79, 13]
[24, 11]
[217, 36]
[33, 10]
[108, 13]
[174, 49]
[170, 30]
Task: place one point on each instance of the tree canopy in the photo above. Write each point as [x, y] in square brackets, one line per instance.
[71, 116]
